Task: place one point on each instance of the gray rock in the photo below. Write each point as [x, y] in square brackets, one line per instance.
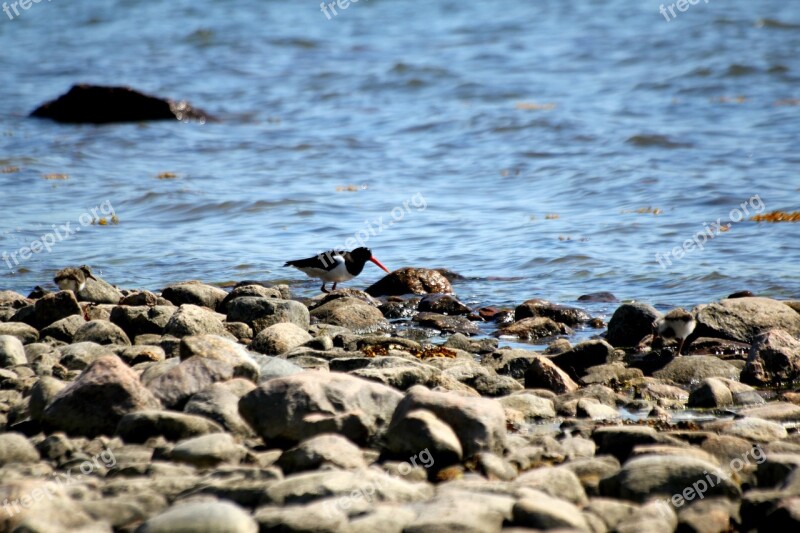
[774, 357]
[619, 441]
[750, 428]
[251, 290]
[133, 355]
[409, 280]
[743, 319]
[201, 517]
[533, 329]
[221, 349]
[140, 426]
[310, 403]
[578, 359]
[194, 292]
[95, 402]
[694, 368]
[591, 408]
[351, 313]
[208, 450]
[614, 374]
[399, 373]
[43, 392]
[15, 448]
[142, 297]
[462, 342]
[175, 386]
[315, 517]
[99, 291]
[275, 367]
[542, 373]
[630, 323]
[324, 449]
[421, 430]
[557, 482]
[280, 338]
[101, 332]
[444, 304]
[530, 406]
[12, 352]
[48, 509]
[79, 355]
[571, 316]
[463, 511]
[48, 309]
[24, 332]
[712, 392]
[479, 423]
[538, 510]
[259, 312]
[220, 403]
[785, 412]
[191, 319]
[64, 329]
[141, 320]
[611, 512]
[652, 517]
[446, 323]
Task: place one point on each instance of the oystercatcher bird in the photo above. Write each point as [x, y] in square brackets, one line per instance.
[73, 279]
[677, 324]
[335, 265]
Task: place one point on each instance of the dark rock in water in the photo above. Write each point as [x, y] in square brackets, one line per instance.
[740, 294]
[92, 104]
[630, 323]
[722, 348]
[449, 274]
[743, 319]
[533, 329]
[774, 357]
[584, 355]
[194, 292]
[542, 373]
[411, 280]
[48, 309]
[463, 342]
[560, 313]
[443, 303]
[598, 297]
[447, 323]
[403, 309]
[97, 400]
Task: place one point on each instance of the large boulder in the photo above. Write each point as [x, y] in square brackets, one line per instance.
[279, 338]
[774, 356]
[411, 280]
[743, 319]
[12, 352]
[97, 400]
[694, 368]
[221, 349]
[293, 408]
[351, 313]
[177, 384]
[630, 323]
[142, 319]
[48, 309]
[542, 373]
[194, 292]
[205, 516]
[259, 312]
[101, 332]
[192, 319]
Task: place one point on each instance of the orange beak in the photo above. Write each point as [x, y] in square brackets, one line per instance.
[380, 265]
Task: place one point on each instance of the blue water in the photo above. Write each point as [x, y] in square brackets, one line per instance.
[538, 136]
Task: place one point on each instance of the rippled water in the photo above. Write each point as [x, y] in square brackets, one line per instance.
[556, 146]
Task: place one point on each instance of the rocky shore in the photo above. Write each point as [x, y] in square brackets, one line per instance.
[243, 410]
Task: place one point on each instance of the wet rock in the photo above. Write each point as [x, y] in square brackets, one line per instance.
[142, 425]
[97, 400]
[421, 431]
[444, 304]
[712, 392]
[259, 312]
[191, 319]
[12, 352]
[48, 309]
[598, 297]
[220, 403]
[533, 329]
[15, 448]
[141, 320]
[538, 510]
[194, 292]
[630, 323]
[586, 354]
[743, 319]
[544, 374]
[24, 332]
[447, 323]
[96, 104]
[619, 441]
[462, 342]
[175, 386]
[99, 291]
[221, 349]
[325, 449]
[614, 374]
[101, 332]
[64, 329]
[694, 368]
[309, 403]
[351, 313]
[479, 423]
[774, 357]
[570, 316]
[280, 338]
[208, 451]
[411, 280]
[201, 516]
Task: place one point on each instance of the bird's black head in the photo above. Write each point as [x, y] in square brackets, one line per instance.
[361, 254]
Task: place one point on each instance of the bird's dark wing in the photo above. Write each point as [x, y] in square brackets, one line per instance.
[323, 261]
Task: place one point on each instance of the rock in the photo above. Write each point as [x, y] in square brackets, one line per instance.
[12, 352]
[538, 510]
[533, 329]
[220, 403]
[47, 508]
[315, 517]
[544, 374]
[774, 356]
[530, 406]
[409, 280]
[280, 338]
[743, 319]
[674, 477]
[591, 408]
[446, 323]
[43, 392]
[191, 319]
[196, 293]
[142, 298]
[221, 349]
[97, 400]
[201, 517]
[785, 516]
[462, 511]
[12, 299]
[619, 441]
[48, 309]
[133, 355]
[274, 367]
[479, 423]
[712, 392]
[64, 330]
[15, 448]
[260, 312]
[324, 449]
[79, 355]
[24, 332]
[96, 104]
[141, 320]
[250, 290]
[140, 426]
[351, 313]
[694, 368]
[399, 373]
[421, 431]
[444, 304]
[586, 354]
[175, 386]
[630, 323]
[101, 332]
[208, 451]
[603, 297]
[571, 316]
[784, 412]
[462, 342]
[613, 375]
[309, 403]
[99, 291]
[750, 428]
